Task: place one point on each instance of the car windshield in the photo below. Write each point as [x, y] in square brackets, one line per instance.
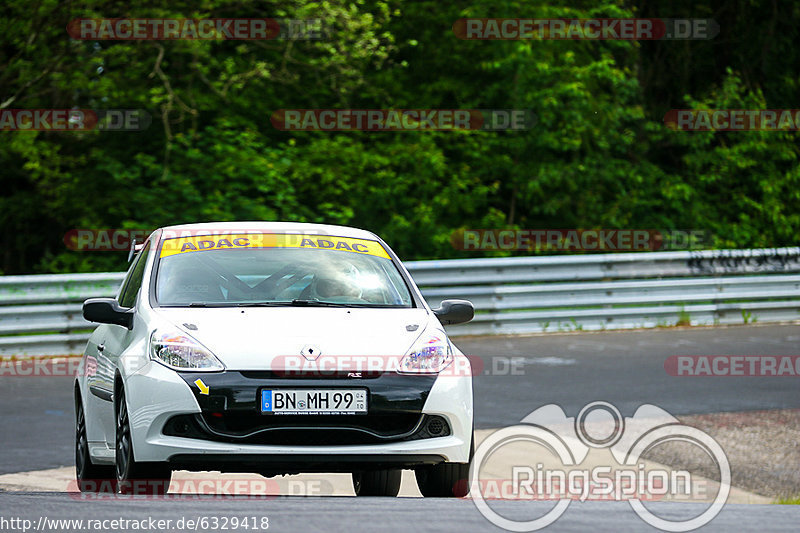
[277, 270]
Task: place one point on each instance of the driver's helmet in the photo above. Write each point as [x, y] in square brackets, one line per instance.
[338, 281]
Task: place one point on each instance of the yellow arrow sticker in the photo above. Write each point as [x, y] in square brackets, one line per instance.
[202, 386]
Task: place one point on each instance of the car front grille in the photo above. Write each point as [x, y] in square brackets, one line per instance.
[307, 430]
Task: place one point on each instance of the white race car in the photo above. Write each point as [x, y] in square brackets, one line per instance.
[274, 348]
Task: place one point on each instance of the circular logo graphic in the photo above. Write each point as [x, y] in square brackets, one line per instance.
[598, 425]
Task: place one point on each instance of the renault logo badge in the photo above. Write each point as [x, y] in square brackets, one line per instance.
[310, 352]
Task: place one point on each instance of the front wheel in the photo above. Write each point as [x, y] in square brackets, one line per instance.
[90, 477]
[134, 477]
[445, 480]
[377, 482]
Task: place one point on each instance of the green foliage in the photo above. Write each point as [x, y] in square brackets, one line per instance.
[599, 156]
[684, 319]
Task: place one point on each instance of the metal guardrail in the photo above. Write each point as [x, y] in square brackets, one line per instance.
[41, 315]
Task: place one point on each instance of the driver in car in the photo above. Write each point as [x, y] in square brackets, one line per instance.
[335, 286]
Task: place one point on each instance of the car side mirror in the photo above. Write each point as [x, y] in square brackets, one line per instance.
[107, 311]
[454, 312]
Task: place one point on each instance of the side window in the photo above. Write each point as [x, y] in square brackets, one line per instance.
[134, 281]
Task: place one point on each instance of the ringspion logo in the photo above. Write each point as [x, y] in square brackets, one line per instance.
[626, 477]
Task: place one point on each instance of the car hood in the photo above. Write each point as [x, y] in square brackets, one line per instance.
[252, 338]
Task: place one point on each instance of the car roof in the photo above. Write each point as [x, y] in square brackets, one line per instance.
[274, 227]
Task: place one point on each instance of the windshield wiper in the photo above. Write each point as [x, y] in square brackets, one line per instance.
[316, 303]
[288, 303]
[320, 303]
[293, 303]
[205, 304]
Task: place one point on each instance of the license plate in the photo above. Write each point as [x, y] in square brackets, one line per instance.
[314, 401]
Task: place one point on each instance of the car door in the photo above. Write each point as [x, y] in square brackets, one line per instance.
[114, 342]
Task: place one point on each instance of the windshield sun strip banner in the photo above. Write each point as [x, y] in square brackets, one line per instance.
[198, 243]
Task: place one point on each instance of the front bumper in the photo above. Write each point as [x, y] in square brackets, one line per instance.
[229, 433]
[231, 410]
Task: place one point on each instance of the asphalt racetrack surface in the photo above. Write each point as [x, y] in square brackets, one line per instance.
[519, 375]
[627, 370]
[401, 515]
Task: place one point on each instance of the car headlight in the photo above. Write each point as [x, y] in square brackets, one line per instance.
[179, 351]
[430, 357]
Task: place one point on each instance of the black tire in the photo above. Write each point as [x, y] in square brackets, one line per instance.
[377, 482]
[445, 480]
[134, 477]
[89, 477]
